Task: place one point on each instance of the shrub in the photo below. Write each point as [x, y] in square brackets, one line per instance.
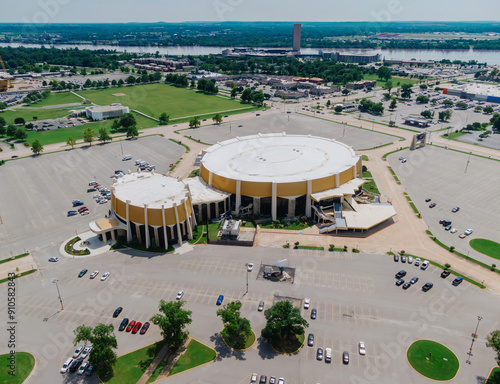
[345, 248]
[296, 244]
[493, 266]
[331, 247]
[447, 266]
[452, 248]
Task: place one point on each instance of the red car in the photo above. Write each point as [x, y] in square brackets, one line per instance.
[137, 326]
[144, 328]
[130, 326]
[82, 209]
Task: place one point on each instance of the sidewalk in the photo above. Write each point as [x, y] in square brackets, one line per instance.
[88, 240]
[150, 370]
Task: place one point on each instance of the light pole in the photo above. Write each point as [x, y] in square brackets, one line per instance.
[474, 337]
[59, 293]
[246, 265]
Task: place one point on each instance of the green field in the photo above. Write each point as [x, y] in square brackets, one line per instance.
[433, 360]
[154, 99]
[395, 80]
[196, 354]
[494, 376]
[24, 365]
[57, 99]
[487, 247]
[28, 114]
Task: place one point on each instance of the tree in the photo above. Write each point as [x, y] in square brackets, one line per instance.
[164, 118]
[3, 130]
[127, 120]
[258, 98]
[427, 114]
[284, 322]
[422, 99]
[236, 328]
[115, 126]
[406, 91]
[328, 104]
[11, 130]
[478, 108]
[462, 105]
[495, 120]
[21, 134]
[445, 115]
[377, 108]
[493, 341]
[393, 105]
[88, 135]
[345, 91]
[423, 87]
[448, 103]
[338, 108]
[488, 110]
[217, 118]
[192, 84]
[234, 93]
[19, 120]
[201, 84]
[246, 96]
[120, 82]
[172, 321]
[2, 106]
[194, 122]
[71, 141]
[2, 122]
[388, 86]
[132, 131]
[384, 73]
[104, 135]
[102, 356]
[131, 80]
[36, 147]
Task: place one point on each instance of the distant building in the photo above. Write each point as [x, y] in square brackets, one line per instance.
[474, 91]
[296, 36]
[112, 111]
[361, 84]
[362, 58]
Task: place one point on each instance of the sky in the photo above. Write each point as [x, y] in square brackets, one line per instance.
[102, 11]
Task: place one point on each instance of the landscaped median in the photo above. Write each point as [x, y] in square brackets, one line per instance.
[68, 248]
[412, 205]
[196, 354]
[486, 247]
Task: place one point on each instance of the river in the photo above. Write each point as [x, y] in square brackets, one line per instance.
[490, 57]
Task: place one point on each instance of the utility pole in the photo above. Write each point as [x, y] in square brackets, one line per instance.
[474, 337]
[59, 293]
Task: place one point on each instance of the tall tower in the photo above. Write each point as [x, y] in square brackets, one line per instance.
[296, 37]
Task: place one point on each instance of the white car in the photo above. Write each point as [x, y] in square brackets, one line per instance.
[425, 264]
[281, 380]
[66, 365]
[410, 260]
[54, 259]
[180, 294]
[417, 262]
[250, 267]
[94, 274]
[78, 351]
[468, 231]
[86, 351]
[454, 230]
[362, 349]
[253, 380]
[307, 302]
[83, 368]
[96, 196]
[103, 201]
[105, 276]
[84, 213]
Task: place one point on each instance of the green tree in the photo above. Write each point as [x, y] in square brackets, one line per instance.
[2, 122]
[406, 91]
[338, 109]
[172, 320]
[258, 98]
[236, 328]
[36, 147]
[2, 106]
[127, 120]
[217, 118]
[462, 105]
[104, 135]
[132, 131]
[234, 93]
[427, 114]
[422, 99]
[246, 96]
[448, 103]
[284, 323]
[102, 356]
[384, 73]
[19, 120]
[393, 105]
[115, 126]
[388, 85]
[192, 84]
[3, 130]
[377, 108]
[488, 110]
[493, 341]
[88, 135]
[345, 91]
[423, 87]
[194, 122]
[21, 134]
[11, 130]
[445, 115]
[328, 104]
[164, 118]
[71, 141]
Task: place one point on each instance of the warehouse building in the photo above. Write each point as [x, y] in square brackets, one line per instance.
[113, 111]
[474, 91]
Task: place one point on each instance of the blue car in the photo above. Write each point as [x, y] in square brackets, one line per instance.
[72, 213]
[220, 299]
[77, 203]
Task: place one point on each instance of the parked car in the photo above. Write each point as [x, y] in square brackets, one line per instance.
[447, 228]
[94, 274]
[82, 272]
[78, 351]
[220, 299]
[319, 353]
[399, 282]
[455, 209]
[145, 328]
[66, 365]
[458, 280]
[328, 355]
[250, 267]
[72, 213]
[417, 262]
[310, 339]
[179, 295]
[76, 363]
[313, 313]
[345, 357]
[54, 259]
[261, 306]
[89, 370]
[424, 266]
[462, 236]
[85, 213]
[410, 260]
[253, 379]
[86, 351]
[403, 258]
[468, 231]
[432, 205]
[427, 286]
[263, 379]
[307, 302]
[414, 280]
[137, 327]
[123, 324]
[427, 200]
[117, 311]
[454, 230]
[401, 274]
[396, 257]
[130, 326]
[77, 203]
[445, 273]
[272, 380]
[361, 347]
[104, 276]
[406, 285]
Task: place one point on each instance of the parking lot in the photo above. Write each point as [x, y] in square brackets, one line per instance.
[50, 124]
[387, 319]
[291, 123]
[37, 191]
[451, 179]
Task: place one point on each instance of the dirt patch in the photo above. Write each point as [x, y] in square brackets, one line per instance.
[119, 94]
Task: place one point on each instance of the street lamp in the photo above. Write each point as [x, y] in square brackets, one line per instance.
[474, 337]
[59, 293]
[246, 265]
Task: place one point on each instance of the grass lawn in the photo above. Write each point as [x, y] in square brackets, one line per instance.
[196, 354]
[28, 114]
[395, 80]
[24, 365]
[290, 346]
[57, 99]
[487, 247]
[433, 360]
[154, 99]
[213, 230]
[130, 367]
[311, 247]
[494, 377]
[235, 344]
[14, 258]
[454, 135]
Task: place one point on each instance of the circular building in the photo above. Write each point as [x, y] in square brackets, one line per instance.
[281, 175]
[149, 207]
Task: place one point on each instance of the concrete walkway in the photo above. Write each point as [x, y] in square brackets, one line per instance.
[90, 241]
[149, 371]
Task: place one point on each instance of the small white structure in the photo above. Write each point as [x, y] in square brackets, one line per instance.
[112, 111]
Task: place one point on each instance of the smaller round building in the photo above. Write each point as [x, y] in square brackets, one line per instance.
[152, 208]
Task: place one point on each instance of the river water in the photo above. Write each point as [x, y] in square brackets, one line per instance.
[490, 57]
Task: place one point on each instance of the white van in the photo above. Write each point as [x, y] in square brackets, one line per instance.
[127, 157]
[66, 365]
